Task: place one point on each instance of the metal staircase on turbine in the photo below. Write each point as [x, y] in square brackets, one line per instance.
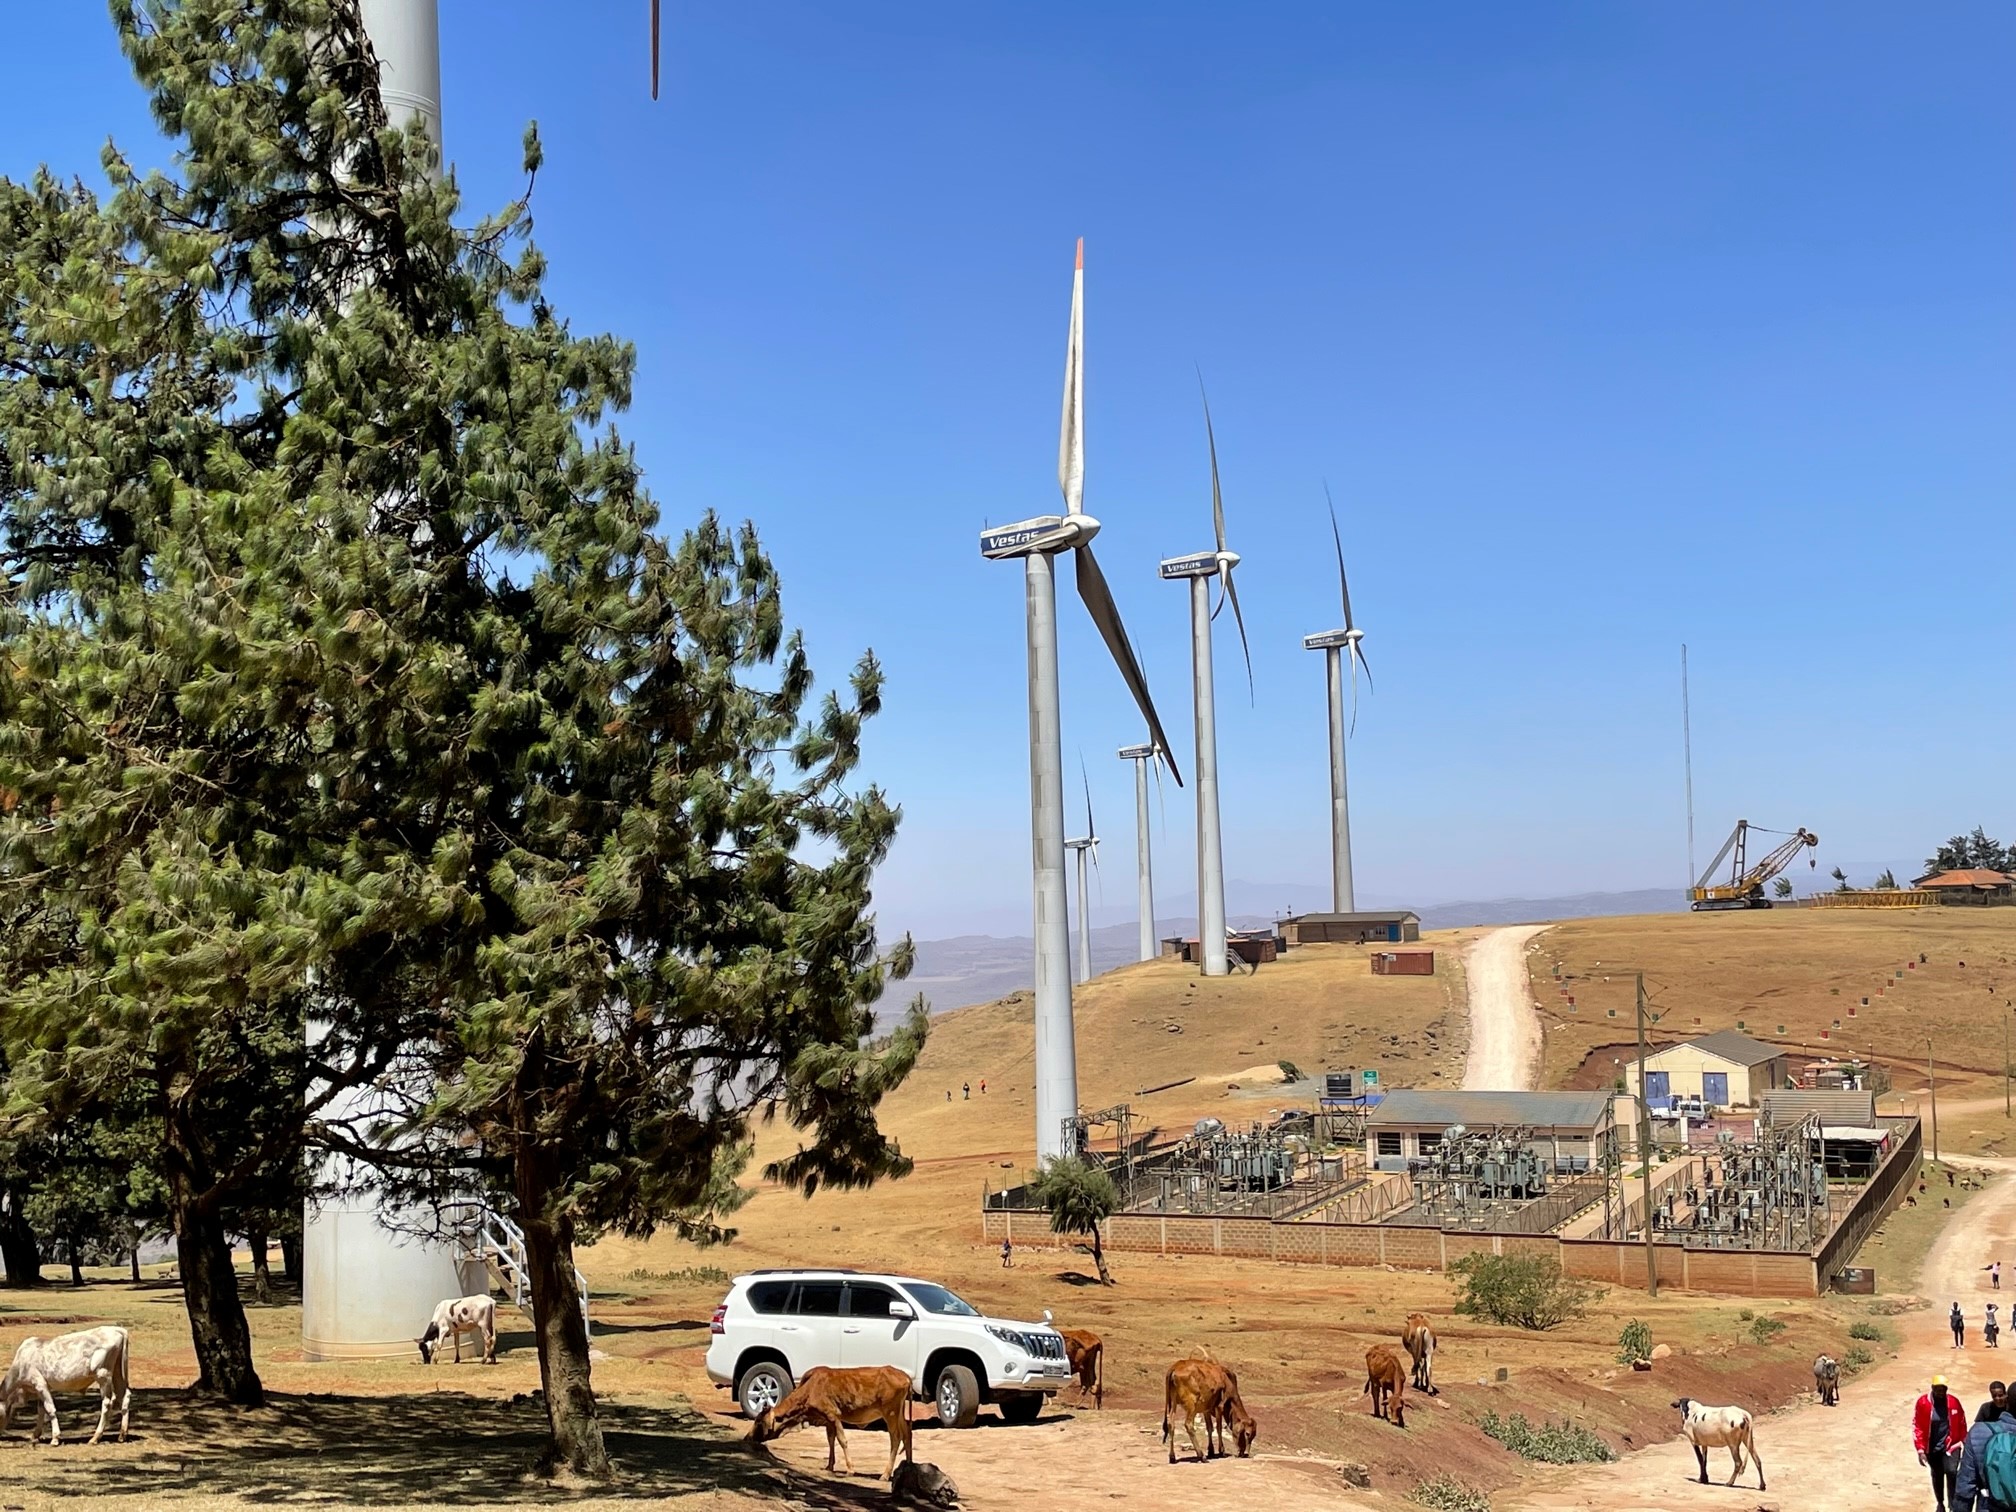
[498, 1245]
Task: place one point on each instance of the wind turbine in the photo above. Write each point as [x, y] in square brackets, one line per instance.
[1036, 542]
[1337, 646]
[1200, 568]
[1142, 756]
[1089, 846]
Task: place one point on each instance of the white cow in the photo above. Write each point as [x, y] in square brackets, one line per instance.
[93, 1358]
[455, 1317]
[1719, 1428]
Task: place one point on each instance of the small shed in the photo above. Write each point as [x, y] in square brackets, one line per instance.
[1569, 1129]
[1724, 1070]
[1403, 963]
[1399, 926]
[1975, 885]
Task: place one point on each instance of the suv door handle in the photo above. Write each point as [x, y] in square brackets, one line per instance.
[850, 1330]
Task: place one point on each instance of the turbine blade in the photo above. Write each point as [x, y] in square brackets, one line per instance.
[654, 48]
[1106, 615]
[1359, 648]
[1232, 596]
[1352, 653]
[1071, 430]
[1091, 829]
[1211, 439]
[1343, 583]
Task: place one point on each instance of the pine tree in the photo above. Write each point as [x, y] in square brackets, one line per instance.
[344, 672]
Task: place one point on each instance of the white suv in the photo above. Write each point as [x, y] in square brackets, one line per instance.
[774, 1325]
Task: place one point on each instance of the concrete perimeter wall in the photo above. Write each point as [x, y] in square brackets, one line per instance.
[1746, 1273]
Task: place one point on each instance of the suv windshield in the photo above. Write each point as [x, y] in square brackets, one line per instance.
[935, 1299]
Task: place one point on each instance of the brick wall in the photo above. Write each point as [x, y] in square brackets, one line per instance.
[1884, 1191]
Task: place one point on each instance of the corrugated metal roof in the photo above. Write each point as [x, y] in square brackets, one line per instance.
[1833, 1106]
[1383, 916]
[1738, 1049]
[1483, 1110]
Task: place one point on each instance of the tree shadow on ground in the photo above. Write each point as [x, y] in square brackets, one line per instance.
[677, 1325]
[1078, 1278]
[391, 1451]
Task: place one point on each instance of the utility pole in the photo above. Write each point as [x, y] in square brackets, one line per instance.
[2005, 1068]
[1932, 1087]
[1645, 1148]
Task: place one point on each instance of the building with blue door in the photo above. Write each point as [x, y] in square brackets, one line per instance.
[1724, 1070]
[1396, 926]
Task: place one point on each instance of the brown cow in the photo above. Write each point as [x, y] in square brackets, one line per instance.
[1087, 1354]
[1419, 1338]
[1385, 1379]
[1203, 1390]
[837, 1399]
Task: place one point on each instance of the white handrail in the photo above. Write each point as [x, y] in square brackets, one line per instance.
[499, 1246]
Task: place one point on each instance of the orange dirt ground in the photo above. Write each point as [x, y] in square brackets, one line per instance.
[398, 1434]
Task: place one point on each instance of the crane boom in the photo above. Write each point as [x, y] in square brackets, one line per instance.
[1744, 885]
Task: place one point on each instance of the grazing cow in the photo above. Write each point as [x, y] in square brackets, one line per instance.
[1827, 1380]
[1419, 1337]
[841, 1399]
[1203, 1392]
[92, 1358]
[1087, 1354]
[1719, 1427]
[1384, 1380]
[453, 1318]
[1234, 1420]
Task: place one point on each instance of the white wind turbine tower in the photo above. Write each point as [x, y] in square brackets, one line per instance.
[1200, 568]
[1141, 756]
[1337, 646]
[1037, 541]
[367, 1290]
[1086, 848]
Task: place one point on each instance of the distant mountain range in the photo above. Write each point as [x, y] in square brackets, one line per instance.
[981, 968]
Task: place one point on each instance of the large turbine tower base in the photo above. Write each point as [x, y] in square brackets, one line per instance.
[1056, 1042]
[1342, 891]
[1141, 755]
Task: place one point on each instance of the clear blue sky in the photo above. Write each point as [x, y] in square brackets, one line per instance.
[1611, 326]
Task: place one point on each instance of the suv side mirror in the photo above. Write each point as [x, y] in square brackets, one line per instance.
[901, 1310]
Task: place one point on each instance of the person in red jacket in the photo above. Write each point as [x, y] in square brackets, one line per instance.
[1939, 1434]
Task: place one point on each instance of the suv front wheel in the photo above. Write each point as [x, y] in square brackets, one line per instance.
[957, 1396]
[763, 1385]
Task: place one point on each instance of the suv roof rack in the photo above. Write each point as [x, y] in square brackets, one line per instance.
[801, 1270]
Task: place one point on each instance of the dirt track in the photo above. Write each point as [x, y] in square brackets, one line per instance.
[1504, 1029]
[1859, 1455]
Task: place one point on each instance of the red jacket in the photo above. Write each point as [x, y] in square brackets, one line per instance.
[1956, 1422]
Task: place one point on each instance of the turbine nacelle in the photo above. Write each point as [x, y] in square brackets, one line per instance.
[1039, 535]
[1330, 640]
[1137, 753]
[1198, 564]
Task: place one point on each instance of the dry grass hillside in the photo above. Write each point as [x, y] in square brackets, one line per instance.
[1785, 976]
[1139, 1027]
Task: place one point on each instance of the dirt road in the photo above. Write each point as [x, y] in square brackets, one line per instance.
[1504, 1029]
[1858, 1454]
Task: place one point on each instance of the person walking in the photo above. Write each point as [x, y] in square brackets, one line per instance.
[1995, 1406]
[966, 1091]
[1939, 1434]
[1991, 1328]
[1957, 1321]
[1007, 1254]
[1994, 1269]
[1986, 1481]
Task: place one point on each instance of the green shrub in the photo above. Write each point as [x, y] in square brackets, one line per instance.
[1445, 1493]
[1856, 1359]
[1550, 1443]
[1524, 1291]
[1764, 1330]
[697, 1275]
[1634, 1344]
[1745, 1316]
[1289, 1071]
[1860, 1330]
